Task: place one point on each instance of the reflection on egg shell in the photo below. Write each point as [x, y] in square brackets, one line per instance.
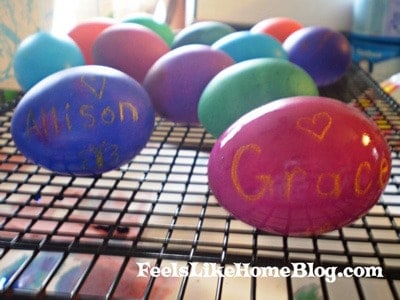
[205, 33]
[300, 166]
[175, 81]
[85, 120]
[130, 48]
[244, 86]
[245, 45]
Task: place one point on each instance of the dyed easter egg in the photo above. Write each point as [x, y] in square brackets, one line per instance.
[245, 45]
[176, 81]
[42, 54]
[130, 48]
[85, 33]
[300, 166]
[147, 20]
[83, 121]
[324, 53]
[278, 27]
[244, 86]
[205, 32]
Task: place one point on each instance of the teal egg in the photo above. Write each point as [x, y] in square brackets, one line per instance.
[205, 33]
[247, 85]
[42, 54]
[245, 45]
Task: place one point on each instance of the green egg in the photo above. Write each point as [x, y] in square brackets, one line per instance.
[162, 29]
[204, 32]
[247, 85]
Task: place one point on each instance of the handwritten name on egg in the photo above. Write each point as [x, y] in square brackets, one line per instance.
[84, 121]
[327, 184]
[303, 165]
[54, 120]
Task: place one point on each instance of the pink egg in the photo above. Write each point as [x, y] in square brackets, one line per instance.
[300, 166]
[176, 81]
[278, 27]
[85, 33]
[130, 48]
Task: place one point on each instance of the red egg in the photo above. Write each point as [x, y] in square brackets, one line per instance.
[278, 27]
[130, 48]
[85, 33]
[300, 166]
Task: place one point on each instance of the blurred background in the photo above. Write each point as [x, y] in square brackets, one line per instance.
[373, 26]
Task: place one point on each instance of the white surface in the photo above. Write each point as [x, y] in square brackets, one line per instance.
[335, 14]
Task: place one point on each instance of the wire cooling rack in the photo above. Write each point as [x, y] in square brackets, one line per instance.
[99, 238]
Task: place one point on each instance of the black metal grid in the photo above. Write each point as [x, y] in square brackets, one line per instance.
[158, 209]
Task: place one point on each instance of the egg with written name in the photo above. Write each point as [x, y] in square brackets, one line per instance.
[85, 120]
[246, 85]
[300, 166]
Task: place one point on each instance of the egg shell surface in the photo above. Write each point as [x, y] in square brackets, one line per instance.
[85, 33]
[278, 27]
[176, 81]
[244, 86]
[147, 20]
[205, 33]
[245, 45]
[300, 166]
[42, 54]
[324, 53]
[85, 120]
[130, 48]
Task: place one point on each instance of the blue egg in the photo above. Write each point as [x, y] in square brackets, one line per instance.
[84, 121]
[42, 54]
[245, 45]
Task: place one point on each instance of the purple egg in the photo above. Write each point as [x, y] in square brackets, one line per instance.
[130, 48]
[176, 81]
[324, 53]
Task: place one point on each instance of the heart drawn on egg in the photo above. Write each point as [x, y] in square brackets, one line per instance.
[317, 126]
[95, 85]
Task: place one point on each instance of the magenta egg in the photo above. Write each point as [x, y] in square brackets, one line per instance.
[324, 53]
[304, 165]
[176, 81]
[130, 48]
